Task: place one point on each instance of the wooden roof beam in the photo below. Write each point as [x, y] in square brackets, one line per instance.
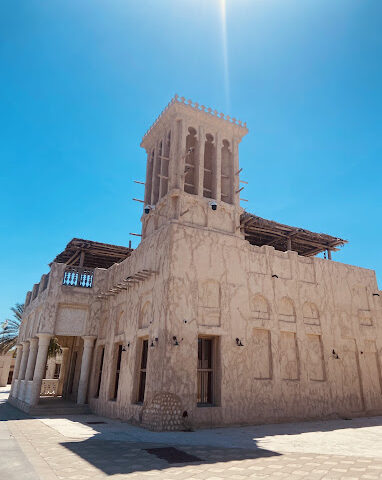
[301, 240]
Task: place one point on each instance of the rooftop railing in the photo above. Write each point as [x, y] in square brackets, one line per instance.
[78, 277]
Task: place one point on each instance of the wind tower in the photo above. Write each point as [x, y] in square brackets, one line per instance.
[193, 173]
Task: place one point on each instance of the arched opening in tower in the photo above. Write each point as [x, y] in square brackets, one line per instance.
[226, 173]
[164, 166]
[189, 165]
[209, 170]
[157, 173]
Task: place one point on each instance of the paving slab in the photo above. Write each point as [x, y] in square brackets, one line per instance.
[69, 448]
[359, 436]
[14, 464]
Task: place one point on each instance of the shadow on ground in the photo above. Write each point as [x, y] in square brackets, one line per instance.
[115, 447]
[114, 457]
[111, 453]
[123, 457]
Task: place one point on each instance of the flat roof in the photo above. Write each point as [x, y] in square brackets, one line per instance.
[257, 230]
[94, 254]
[260, 231]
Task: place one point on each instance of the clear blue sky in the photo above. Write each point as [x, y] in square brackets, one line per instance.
[81, 81]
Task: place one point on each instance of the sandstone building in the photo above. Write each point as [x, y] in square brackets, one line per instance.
[218, 317]
[7, 364]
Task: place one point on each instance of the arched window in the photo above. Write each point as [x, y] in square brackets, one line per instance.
[149, 177]
[209, 294]
[226, 173]
[190, 172]
[359, 297]
[310, 314]
[157, 174]
[145, 316]
[260, 307]
[287, 312]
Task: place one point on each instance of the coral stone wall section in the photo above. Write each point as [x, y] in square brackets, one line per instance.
[164, 412]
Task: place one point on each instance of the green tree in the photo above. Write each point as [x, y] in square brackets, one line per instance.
[10, 329]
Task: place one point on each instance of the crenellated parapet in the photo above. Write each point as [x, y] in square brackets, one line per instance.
[196, 107]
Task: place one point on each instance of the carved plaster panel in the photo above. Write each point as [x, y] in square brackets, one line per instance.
[71, 320]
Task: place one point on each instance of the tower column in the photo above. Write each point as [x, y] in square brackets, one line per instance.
[171, 158]
[39, 369]
[85, 368]
[200, 160]
[218, 167]
[149, 174]
[236, 177]
[162, 178]
[178, 155]
[24, 360]
[19, 352]
[172, 167]
[33, 347]
[183, 155]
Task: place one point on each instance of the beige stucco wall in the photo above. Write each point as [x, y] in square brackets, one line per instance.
[219, 285]
[6, 363]
[64, 310]
[289, 312]
[289, 325]
[137, 313]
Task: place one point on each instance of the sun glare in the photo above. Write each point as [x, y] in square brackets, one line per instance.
[223, 14]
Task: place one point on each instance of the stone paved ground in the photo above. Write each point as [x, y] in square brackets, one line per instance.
[69, 448]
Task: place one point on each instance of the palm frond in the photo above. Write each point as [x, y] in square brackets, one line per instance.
[10, 329]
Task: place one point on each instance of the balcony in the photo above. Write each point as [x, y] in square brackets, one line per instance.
[78, 277]
[76, 267]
